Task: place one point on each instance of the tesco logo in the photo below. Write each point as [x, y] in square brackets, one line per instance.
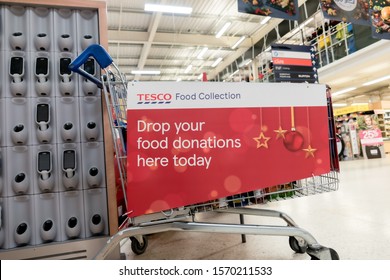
[154, 98]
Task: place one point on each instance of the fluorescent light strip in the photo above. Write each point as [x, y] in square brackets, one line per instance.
[306, 23]
[188, 69]
[223, 29]
[168, 9]
[265, 20]
[377, 81]
[238, 42]
[249, 61]
[343, 91]
[145, 72]
[202, 52]
[339, 104]
[219, 59]
[359, 103]
[234, 73]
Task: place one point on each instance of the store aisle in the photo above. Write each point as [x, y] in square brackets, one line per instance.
[355, 221]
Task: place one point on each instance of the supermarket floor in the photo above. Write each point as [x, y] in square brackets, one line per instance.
[354, 220]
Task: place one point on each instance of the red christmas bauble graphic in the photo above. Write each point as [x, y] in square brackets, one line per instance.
[293, 141]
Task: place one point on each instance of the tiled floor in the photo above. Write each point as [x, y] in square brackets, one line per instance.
[354, 220]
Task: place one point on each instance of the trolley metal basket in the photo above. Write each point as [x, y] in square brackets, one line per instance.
[114, 85]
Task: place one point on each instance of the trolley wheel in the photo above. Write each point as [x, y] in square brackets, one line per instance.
[324, 254]
[298, 246]
[137, 247]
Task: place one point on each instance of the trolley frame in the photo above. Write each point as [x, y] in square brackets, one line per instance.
[114, 86]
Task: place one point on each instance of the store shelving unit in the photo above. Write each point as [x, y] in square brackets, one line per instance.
[346, 128]
[385, 114]
[386, 120]
[381, 119]
[53, 134]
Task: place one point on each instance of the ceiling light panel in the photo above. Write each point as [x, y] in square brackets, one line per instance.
[238, 42]
[216, 62]
[168, 9]
[222, 31]
[339, 104]
[265, 20]
[377, 80]
[188, 69]
[343, 91]
[202, 53]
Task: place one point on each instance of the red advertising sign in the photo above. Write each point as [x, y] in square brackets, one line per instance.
[193, 142]
[371, 137]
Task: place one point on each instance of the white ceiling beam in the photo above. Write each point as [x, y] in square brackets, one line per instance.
[135, 37]
[148, 44]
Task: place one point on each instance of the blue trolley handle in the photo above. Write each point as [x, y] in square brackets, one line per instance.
[101, 57]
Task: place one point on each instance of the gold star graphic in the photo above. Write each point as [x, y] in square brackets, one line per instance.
[262, 141]
[280, 132]
[309, 151]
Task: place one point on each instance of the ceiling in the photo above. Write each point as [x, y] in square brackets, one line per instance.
[140, 40]
[358, 68]
[169, 43]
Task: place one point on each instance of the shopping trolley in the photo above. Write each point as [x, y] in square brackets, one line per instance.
[114, 86]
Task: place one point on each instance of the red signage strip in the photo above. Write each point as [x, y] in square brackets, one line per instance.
[291, 61]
